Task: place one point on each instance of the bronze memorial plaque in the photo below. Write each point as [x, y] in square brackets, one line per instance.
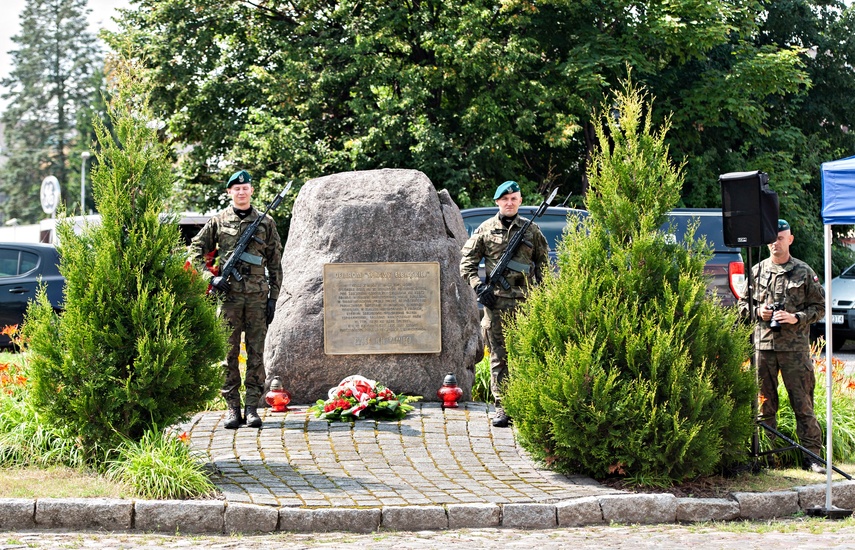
[382, 308]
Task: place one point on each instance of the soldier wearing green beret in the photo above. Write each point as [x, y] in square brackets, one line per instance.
[249, 304]
[529, 266]
[788, 298]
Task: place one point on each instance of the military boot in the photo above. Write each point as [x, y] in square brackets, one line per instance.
[252, 418]
[501, 420]
[233, 418]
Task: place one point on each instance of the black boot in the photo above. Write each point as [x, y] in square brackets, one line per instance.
[252, 418]
[501, 420]
[233, 418]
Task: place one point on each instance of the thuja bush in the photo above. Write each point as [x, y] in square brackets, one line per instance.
[138, 344]
[623, 364]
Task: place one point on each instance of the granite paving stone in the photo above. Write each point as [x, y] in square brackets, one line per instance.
[433, 457]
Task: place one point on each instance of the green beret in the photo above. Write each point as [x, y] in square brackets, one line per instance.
[241, 176]
[505, 188]
[783, 225]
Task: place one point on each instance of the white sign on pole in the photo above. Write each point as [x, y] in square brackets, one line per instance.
[50, 194]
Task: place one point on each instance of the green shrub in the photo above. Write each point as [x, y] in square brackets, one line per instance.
[139, 342]
[25, 438]
[160, 466]
[481, 385]
[622, 364]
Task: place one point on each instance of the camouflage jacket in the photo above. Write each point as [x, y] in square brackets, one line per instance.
[490, 240]
[222, 232]
[795, 285]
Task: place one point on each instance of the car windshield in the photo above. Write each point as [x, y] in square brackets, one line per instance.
[709, 228]
[849, 273]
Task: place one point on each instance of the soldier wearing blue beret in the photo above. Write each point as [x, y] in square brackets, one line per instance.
[528, 267]
[787, 299]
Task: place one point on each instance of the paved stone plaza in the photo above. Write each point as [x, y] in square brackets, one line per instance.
[433, 456]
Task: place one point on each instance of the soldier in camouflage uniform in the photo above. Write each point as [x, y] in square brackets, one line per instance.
[528, 267]
[249, 304]
[790, 282]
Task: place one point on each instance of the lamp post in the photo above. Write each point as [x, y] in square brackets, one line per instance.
[85, 156]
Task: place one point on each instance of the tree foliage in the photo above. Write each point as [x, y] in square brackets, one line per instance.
[479, 91]
[622, 365]
[51, 84]
[138, 344]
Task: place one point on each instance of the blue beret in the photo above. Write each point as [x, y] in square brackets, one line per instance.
[505, 188]
[241, 176]
[783, 225]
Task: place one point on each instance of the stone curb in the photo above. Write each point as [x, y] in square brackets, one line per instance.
[215, 516]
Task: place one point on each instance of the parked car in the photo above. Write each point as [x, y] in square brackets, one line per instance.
[726, 270]
[22, 267]
[842, 310]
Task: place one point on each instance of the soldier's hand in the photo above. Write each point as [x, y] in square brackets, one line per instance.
[221, 284]
[271, 310]
[485, 295]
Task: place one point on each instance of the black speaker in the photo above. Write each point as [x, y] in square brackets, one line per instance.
[749, 209]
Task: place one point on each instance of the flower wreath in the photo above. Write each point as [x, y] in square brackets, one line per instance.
[358, 397]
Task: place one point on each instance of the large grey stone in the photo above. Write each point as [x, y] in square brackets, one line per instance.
[179, 516]
[639, 508]
[414, 518]
[842, 495]
[529, 515]
[473, 515]
[767, 505]
[250, 518]
[84, 513]
[706, 509]
[17, 513]
[297, 520]
[350, 520]
[366, 217]
[579, 512]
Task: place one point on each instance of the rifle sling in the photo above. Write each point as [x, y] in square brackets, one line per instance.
[519, 267]
[251, 258]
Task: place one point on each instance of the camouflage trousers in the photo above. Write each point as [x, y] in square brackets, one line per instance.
[796, 370]
[246, 314]
[493, 324]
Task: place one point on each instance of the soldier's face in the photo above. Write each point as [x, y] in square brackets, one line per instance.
[509, 203]
[780, 248]
[241, 194]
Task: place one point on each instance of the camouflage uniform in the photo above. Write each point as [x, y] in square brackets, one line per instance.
[795, 285]
[489, 241]
[244, 306]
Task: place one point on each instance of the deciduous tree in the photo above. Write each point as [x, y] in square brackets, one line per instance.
[51, 82]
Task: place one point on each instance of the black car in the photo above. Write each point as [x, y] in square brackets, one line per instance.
[22, 267]
[726, 270]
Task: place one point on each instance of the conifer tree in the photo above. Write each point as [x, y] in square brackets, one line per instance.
[138, 344]
[622, 364]
[50, 83]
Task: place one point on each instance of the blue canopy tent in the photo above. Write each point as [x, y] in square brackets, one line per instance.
[838, 208]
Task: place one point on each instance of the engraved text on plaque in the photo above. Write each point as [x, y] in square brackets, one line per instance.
[382, 308]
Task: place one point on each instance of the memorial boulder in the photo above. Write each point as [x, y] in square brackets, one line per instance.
[371, 287]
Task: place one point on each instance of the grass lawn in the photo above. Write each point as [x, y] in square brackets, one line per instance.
[57, 483]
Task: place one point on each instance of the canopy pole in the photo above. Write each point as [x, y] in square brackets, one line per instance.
[828, 373]
[829, 511]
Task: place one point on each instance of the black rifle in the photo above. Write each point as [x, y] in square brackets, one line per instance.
[239, 253]
[498, 273]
